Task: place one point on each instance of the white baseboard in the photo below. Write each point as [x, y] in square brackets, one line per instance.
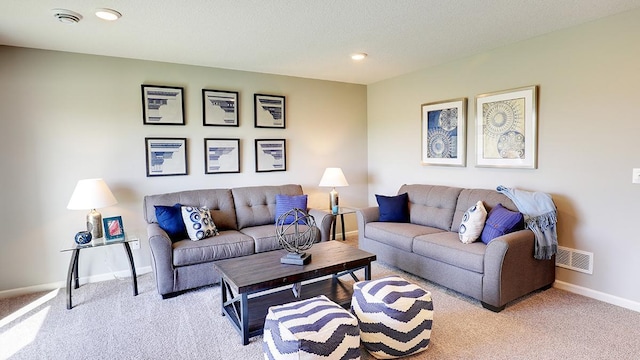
[62, 284]
[611, 299]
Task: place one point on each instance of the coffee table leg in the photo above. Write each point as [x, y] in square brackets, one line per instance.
[244, 314]
[367, 272]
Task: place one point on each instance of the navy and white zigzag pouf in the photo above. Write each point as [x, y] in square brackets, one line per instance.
[316, 328]
[395, 316]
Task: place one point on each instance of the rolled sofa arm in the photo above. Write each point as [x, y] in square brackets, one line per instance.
[161, 258]
[323, 219]
[511, 271]
[365, 216]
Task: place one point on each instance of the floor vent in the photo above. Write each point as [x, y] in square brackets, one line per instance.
[573, 259]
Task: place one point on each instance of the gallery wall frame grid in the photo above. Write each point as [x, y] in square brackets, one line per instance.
[166, 156]
[444, 138]
[270, 155]
[507, 128]
[221, 155]
[162, 105]
[269, 111]
[220, 108]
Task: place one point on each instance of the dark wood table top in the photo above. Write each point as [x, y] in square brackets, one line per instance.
[264, 271]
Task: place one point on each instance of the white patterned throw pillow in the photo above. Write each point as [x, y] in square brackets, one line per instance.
[198, 223]
[472, 223]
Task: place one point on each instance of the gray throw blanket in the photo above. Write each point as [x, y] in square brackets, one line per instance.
[540, 216]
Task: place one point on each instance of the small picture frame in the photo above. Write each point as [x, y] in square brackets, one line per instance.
[219, 108]
[444, 133]
[269, 111]
[166, 156]
[271, 155]
[221, 156]
[113, 229]
[162, 105]
[507, 130]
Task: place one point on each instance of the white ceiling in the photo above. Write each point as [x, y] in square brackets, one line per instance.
[306, 38]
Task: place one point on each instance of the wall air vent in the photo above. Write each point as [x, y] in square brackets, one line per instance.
[573, 259]
[66, 16]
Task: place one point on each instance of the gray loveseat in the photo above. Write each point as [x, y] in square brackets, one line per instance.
[245, 218]
[429, 246]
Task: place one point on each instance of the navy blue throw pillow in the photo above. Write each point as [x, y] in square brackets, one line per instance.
[170, 220]
[394, 208]
[501, 221]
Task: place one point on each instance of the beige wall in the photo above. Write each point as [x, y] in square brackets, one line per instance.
[66, 117]
[589, 137]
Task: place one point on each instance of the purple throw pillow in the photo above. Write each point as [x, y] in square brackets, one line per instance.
[285, 203]
[501, 221]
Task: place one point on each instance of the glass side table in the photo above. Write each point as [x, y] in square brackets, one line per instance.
[342, 210]
[72, 274]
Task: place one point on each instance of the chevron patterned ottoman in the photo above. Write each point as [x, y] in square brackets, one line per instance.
[316, 328]
[395, 316]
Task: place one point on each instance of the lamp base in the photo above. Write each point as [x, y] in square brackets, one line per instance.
[333, 201]
[296, 259]
[94, 224]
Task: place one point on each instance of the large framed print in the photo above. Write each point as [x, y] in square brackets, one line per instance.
[166, 156]
[507, 129]
[162, 105]
[219, 108]
[221, 156]
[444, 132]
[271, 155]
[269, 111]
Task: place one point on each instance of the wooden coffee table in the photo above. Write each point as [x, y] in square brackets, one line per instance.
[245, 281]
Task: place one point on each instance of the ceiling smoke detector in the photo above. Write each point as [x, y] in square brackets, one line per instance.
[66, 16]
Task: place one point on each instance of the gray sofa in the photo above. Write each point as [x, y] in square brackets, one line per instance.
[245, 218]
[429, 246]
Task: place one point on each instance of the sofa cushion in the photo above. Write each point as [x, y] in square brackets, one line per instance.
[218, 201]
[228, 244]
[170, 220]
[257, 205]
[472, 223]
[285, 203]
[265, 238]
[198, 223]
[398, 235]
[447, 248]
[501, 221]
[431, 205]
[469, 197]
[393, 208]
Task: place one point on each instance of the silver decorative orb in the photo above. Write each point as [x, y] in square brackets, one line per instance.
[296, 232]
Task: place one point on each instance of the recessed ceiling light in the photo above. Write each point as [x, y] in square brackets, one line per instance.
[66, 16]
[108, 14]
[358, 56]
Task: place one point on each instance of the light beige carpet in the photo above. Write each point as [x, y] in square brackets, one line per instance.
[109, 323]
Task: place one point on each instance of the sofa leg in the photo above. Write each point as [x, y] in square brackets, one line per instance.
[170, 295]
[491, 307]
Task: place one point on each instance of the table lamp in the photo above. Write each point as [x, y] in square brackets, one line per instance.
[333, 177]
[91, 194]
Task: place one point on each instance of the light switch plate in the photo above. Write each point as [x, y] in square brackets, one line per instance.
[636, 176]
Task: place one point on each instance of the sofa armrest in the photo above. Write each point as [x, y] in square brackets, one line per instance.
[511, 271]
[161, 258]
[365, 216]
[323, 219]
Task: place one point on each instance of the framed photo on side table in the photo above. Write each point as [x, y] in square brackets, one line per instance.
[162, 105]
[113, 229]
[269, 111]
[219, 108]
[271, 155]
[507, 129]
[444, 133]
[221, 156]
[166, 156]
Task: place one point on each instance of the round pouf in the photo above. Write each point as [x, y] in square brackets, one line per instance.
[395, 316]
[316, 328]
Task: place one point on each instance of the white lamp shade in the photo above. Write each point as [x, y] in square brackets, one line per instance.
[333, 177]
[91, 194]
